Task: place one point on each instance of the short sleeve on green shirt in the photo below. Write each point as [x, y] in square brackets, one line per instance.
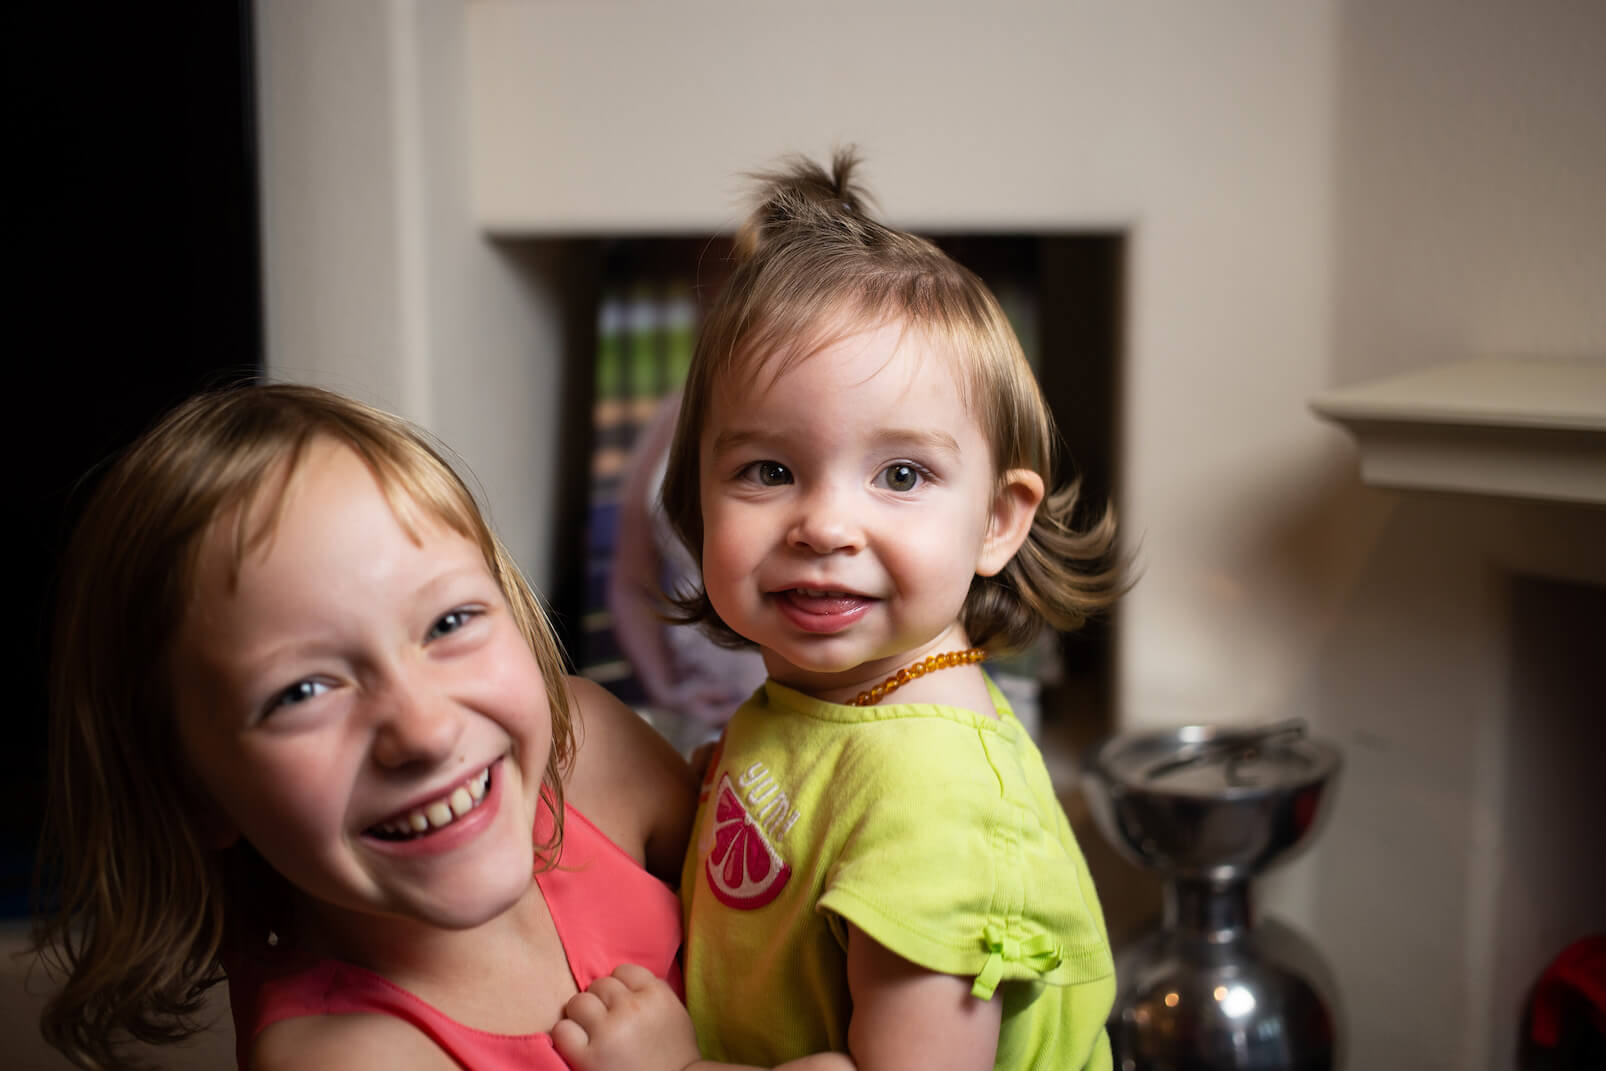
[950, 860]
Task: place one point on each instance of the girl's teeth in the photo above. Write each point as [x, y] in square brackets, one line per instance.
[443, 812]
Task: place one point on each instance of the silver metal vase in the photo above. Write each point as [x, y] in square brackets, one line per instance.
[1209, 808]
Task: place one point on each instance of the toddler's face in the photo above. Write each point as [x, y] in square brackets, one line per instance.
[847, 505]
[363, 708]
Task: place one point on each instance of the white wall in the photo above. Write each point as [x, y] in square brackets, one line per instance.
[1315, 193]
[378, 282]
[1202, 130]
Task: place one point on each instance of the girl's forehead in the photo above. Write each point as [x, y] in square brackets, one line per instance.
[247, 526]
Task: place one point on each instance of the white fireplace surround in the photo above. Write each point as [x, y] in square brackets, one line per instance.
[1522, 428]
[1314, 195]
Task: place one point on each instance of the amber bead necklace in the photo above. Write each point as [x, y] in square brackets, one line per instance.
[929, 664]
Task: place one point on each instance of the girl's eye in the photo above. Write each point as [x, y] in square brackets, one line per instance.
[900, 476]
[450, 622]
[769, 473]
[299, 692]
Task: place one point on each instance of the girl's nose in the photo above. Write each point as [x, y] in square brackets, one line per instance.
[417, 725]
[826, 523]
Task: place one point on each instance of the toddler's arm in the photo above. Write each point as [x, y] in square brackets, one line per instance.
[905, 1016]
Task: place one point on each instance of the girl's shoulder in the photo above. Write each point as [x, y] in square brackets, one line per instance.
[629, 781]
[347, 1043]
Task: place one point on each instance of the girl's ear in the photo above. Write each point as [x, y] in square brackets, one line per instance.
[213, 828]
[1015, 503]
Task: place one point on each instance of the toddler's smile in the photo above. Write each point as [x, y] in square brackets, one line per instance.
[822, 611]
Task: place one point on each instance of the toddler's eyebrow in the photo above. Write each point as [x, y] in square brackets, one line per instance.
[928, 439]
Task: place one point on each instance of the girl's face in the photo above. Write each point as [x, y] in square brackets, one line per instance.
[362, 708]
[847, 505]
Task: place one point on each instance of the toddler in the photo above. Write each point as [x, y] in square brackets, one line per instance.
[882, 875]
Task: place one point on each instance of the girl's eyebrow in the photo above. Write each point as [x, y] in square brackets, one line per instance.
[734, 439]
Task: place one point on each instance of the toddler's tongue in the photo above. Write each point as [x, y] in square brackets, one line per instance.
[824, 604]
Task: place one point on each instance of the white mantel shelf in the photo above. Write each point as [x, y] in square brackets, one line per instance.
[1531, 428]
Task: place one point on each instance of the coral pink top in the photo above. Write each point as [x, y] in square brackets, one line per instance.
[607, 911]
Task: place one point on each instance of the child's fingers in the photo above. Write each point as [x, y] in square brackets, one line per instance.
[628, 1019]
[610, 991]
[570, 1039]
[635, 976]
[586, 1010]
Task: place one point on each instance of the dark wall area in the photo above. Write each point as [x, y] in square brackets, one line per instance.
[132, 260]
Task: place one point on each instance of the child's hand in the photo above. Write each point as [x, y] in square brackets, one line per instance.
[629, 1021]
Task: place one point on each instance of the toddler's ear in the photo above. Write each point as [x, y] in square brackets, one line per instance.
[1015, 503]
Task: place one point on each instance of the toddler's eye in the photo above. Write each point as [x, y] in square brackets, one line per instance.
[449, 622]
[901, 476]
[769, 473]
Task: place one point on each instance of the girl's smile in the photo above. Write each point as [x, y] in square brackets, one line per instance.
[424, 824]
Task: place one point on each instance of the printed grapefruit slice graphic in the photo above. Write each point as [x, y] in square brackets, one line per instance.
[743, 870]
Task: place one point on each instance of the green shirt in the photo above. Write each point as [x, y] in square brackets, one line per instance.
[935, 831]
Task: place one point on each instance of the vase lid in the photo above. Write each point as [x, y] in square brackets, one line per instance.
[1218, 761]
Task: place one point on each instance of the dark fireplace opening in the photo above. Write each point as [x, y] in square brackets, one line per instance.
[1551, 869]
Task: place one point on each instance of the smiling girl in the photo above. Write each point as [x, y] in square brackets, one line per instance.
[312, 734]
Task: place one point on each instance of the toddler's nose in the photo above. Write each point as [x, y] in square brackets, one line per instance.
[825, 523]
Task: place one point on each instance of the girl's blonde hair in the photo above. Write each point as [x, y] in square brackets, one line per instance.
[145, 909]
[811, 268]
